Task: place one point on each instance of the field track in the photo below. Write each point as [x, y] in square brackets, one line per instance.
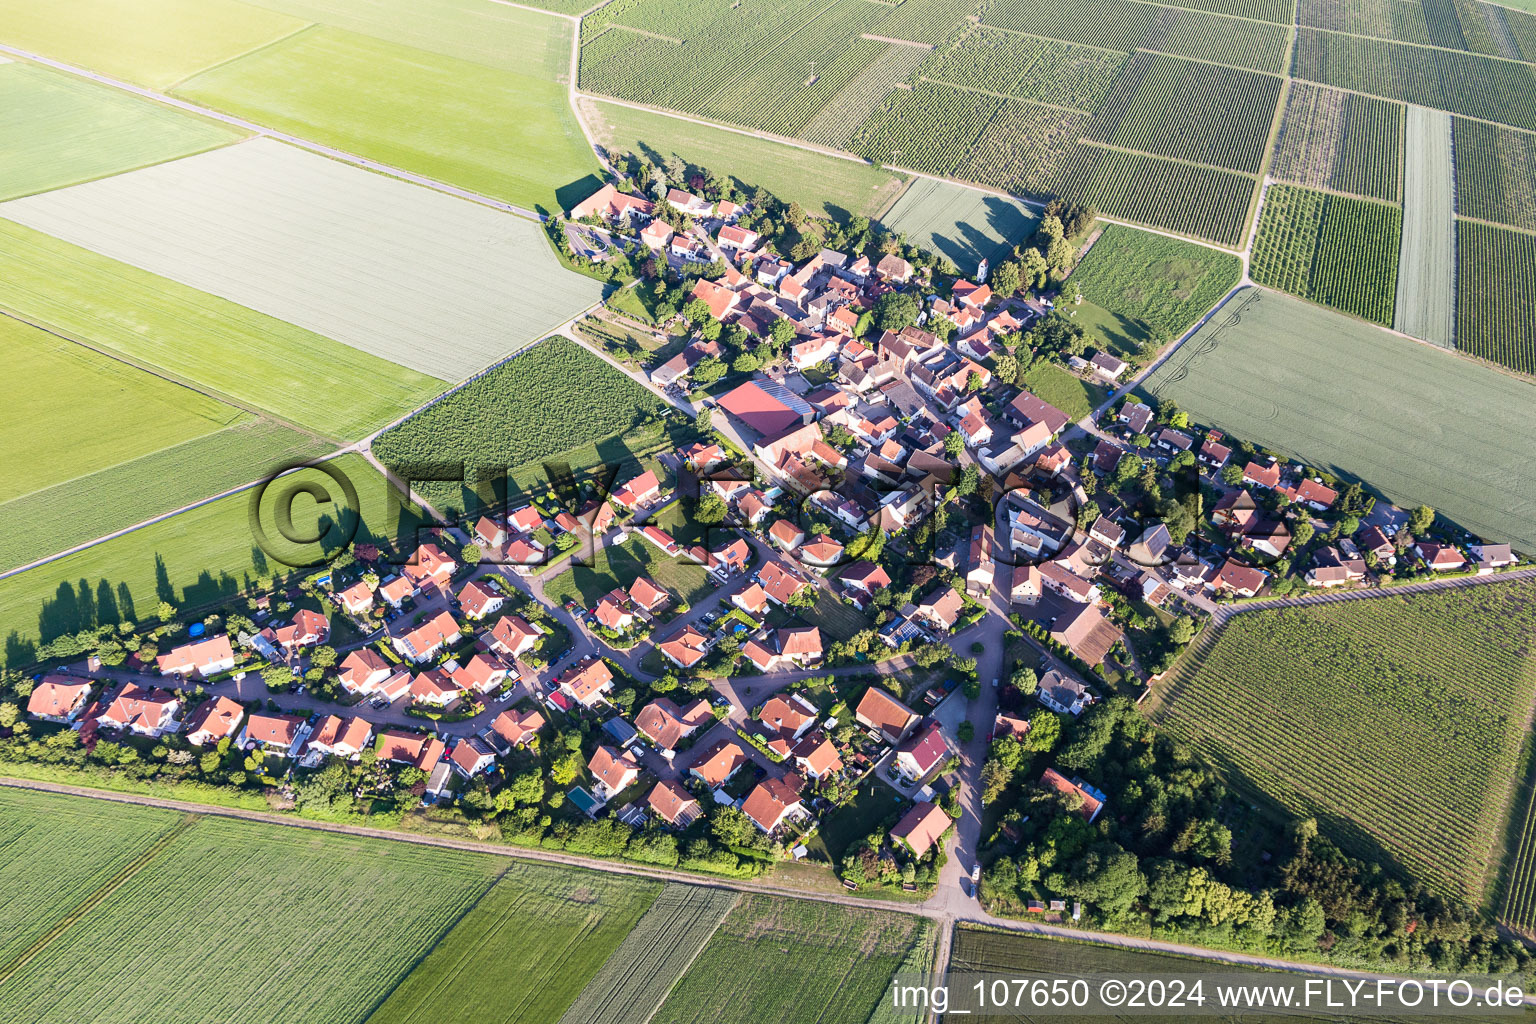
[1426, 292]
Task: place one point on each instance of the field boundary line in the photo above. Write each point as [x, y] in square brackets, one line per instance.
[184, 79]
[1046, 39]
[1496, 224]
[930, 47]
[94, 899]
[1417, 46]
[254, 128]
[1218, 14]
[1325, 190]
[981, 920]
[1217, 63]
[542, 10]
[1250, 175]
[130, 170]
[1002, 96]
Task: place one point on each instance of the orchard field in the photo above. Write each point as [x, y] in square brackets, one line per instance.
[1333, 249]
[1391, 719]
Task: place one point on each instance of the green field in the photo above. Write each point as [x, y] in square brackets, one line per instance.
[1426, 294]
[425, 280]
[777, 961]
[1162, 282]
[822, 184]
[1333, 249]
[43, 438]
[1341, 141]
[156, 43]
[1496, 316]
[59, 130]
[556, 925]
[552, 398]
[192, 559]
[965, 224]
[1286, 375]
[508, 134]
[636, 976]
[1495, 174]
[1066, 391]
[79, 510]
[269, 924]
[211, 342]
[59, 852]
[619, 566]
[1389, 719]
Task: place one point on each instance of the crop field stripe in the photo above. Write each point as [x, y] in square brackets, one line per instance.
[634, 981]
[1284, 374]
[1518, 908]
[1426, 296]
[428, 281]
[1497, 307]
[1495, 173]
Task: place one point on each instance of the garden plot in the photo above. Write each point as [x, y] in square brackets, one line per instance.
[1426, 286]
[437, 284]
[58, 130]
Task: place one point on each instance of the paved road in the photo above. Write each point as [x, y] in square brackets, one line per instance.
[963, 913]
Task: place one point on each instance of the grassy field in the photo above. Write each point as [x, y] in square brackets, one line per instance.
[636, 976]
[59, 130]
[874, 802]
[449, 286]
[156, 43]
[964, 224]
[1426, 292]
[59, 851]
[1162, 282]
[551, 399]
[1337, 250]
[96, 504]
[979, 951]
[1285, 375]
[1066, 391]
[822, 184]
[192, 559]
[1390, 720]
[505, 133]
[45, 441]
[828, 963]
[190, 335]
[557, 925]
[1496, 315]
[285, 925]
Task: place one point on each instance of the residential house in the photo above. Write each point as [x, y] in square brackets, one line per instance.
[1265, 475]
[141, 711]
[694, 206]
[1213, 455]
[638, 491]
[921, 754]
[481, 674]
[336, 736]
[656, 235]
[800, 646]
[1027, 584]
[513, 636]
[275, 734]
[363, 670]
[941, 609]
[667, 725]
[1153, 546]
[613, 611]
[821, 553]
[478, 600]
[424, 641]
[430, 565]
[395, 591]
[791, 716]
[1136, 416]
[358, 598]
[863, 579]
[786, 535]
[587, 682]
[686, 649]
[753, 600]
[419, 750]
[735, 239]
[1439, 557]
[1172, 440]
[716, 765]
[1060, 579]
[674, 804]
[1107, 366]
[1371, 538]
[217, 719]
[1238, 579]
[1080, 796]
[1063, 694]
[1010, 725]
[472, 756]
[435, 688]
[611, 205]
[1235, 510]
[883, 714]
[1492, 556]
[922, 827]
[816, 756]
[518, 728]
[1107, 532]
[206, 658]
[1085, 631]
[1331, 569]
[773, 801]
[647, 596]
[1269, 536]
[1312, 493]
[59, 698]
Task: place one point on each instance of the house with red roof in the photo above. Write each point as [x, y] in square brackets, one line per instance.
[424, 641]
[363, 670]
[205, 658]
[358, 598]
[638, 491]
[395, 591]
[864, 578]
[736, 238]
[611, 205]
[657, 234]
[821, 553]
[1085, 799]
[472, 756]
[275, 734]
[478, 599]
[920, 754]
[792, 715]
[720, 299]
[612, 771]
[336, 736]
[941, 609]
[800, 646]
[884, 715]
[588, 681]
[430, 565]
[674, 804]
[755, 407]
[141, 711]
[716, 765]
[1440, 557]
[817, 756]
[419, 750]
[667, 725]
[481, 674]
[773, 802]
[59, 698]
[513, 636]
[922, 827]
[435, 688]
[686, 649]
[518, 728]
[647, 596]
[1236, 578]
[218, 718]
[753, 600]
[613, 611]
[1259, 475]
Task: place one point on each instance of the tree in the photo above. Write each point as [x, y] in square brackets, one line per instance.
[711, 510]
[277, 677]
[1303, 533]
[165, 611]
[566, 768]
[954, 444]
[782, 332]
[1025, 680]
[1033, 268]
[1007, 278]
[707, 371]
[1006, 368]
[1420, 520]
[995, 776]
[1231, 475]
[1182, 630]
[9, 712]
[1044, 733]
[696, 311]
[323, 657]
[895, 310]
[471, 554]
